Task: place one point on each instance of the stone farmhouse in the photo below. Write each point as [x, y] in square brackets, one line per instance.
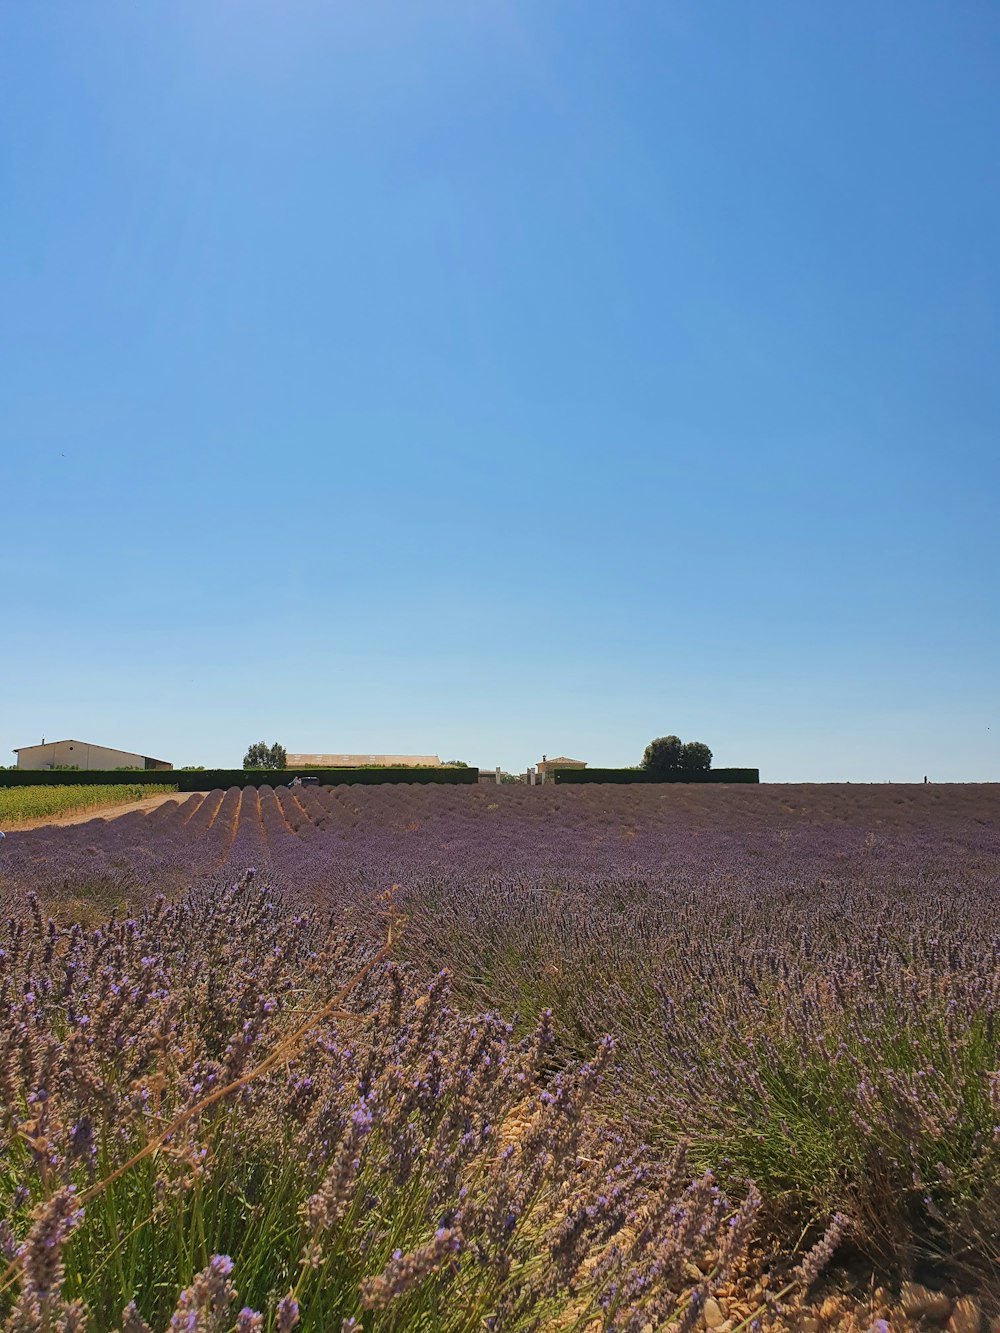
[547, 767]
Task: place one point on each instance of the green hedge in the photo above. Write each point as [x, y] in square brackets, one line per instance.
[640, 775]
[208, 779]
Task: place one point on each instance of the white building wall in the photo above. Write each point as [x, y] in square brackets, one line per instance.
[78, 754]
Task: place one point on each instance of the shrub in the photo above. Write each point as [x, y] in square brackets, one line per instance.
[35, 802]
[182, 1110]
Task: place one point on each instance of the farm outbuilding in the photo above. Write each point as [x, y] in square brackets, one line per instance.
[82, 755]
[547, 767]
[363, 761]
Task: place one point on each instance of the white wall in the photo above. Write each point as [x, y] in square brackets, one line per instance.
[76, 753]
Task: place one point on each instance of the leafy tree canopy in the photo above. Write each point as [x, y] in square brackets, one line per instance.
[668, 754]
[696, 757]
[663, 754]
[263, 755]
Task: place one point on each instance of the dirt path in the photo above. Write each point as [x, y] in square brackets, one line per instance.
[98, 812]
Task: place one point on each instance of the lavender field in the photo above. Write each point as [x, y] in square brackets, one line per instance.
[609, 1057]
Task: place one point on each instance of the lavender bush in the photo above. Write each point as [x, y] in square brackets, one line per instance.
[222, 1095]
[801, 982]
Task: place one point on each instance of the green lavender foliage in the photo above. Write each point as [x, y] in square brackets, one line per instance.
[402, 1166]
[803, 983]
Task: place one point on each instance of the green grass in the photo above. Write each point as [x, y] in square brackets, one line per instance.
[857, 1084]
[21, 803]
[396, 1163]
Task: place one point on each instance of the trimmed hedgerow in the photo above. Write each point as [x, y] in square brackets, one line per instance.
[644, 775]
[211, 779]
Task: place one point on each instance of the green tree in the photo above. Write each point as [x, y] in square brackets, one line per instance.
[455, 763]
[663, 755]
[696, 757]
[263, 755]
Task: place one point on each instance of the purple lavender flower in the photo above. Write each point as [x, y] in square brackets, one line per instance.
[287, 1314]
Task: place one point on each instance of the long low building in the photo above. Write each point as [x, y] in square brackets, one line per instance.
[363, 761]
[82, 755]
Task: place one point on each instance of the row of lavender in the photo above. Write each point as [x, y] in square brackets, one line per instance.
[802, 983]
[330, 839]
[190, 1122]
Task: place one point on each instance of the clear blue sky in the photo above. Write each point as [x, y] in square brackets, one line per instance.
[499, 378]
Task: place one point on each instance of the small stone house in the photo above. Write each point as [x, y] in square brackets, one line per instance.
[547, 767]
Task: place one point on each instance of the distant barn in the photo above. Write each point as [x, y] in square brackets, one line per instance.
[363, 761]
[80, 754]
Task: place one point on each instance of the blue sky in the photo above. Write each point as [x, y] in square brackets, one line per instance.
[498, 378]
